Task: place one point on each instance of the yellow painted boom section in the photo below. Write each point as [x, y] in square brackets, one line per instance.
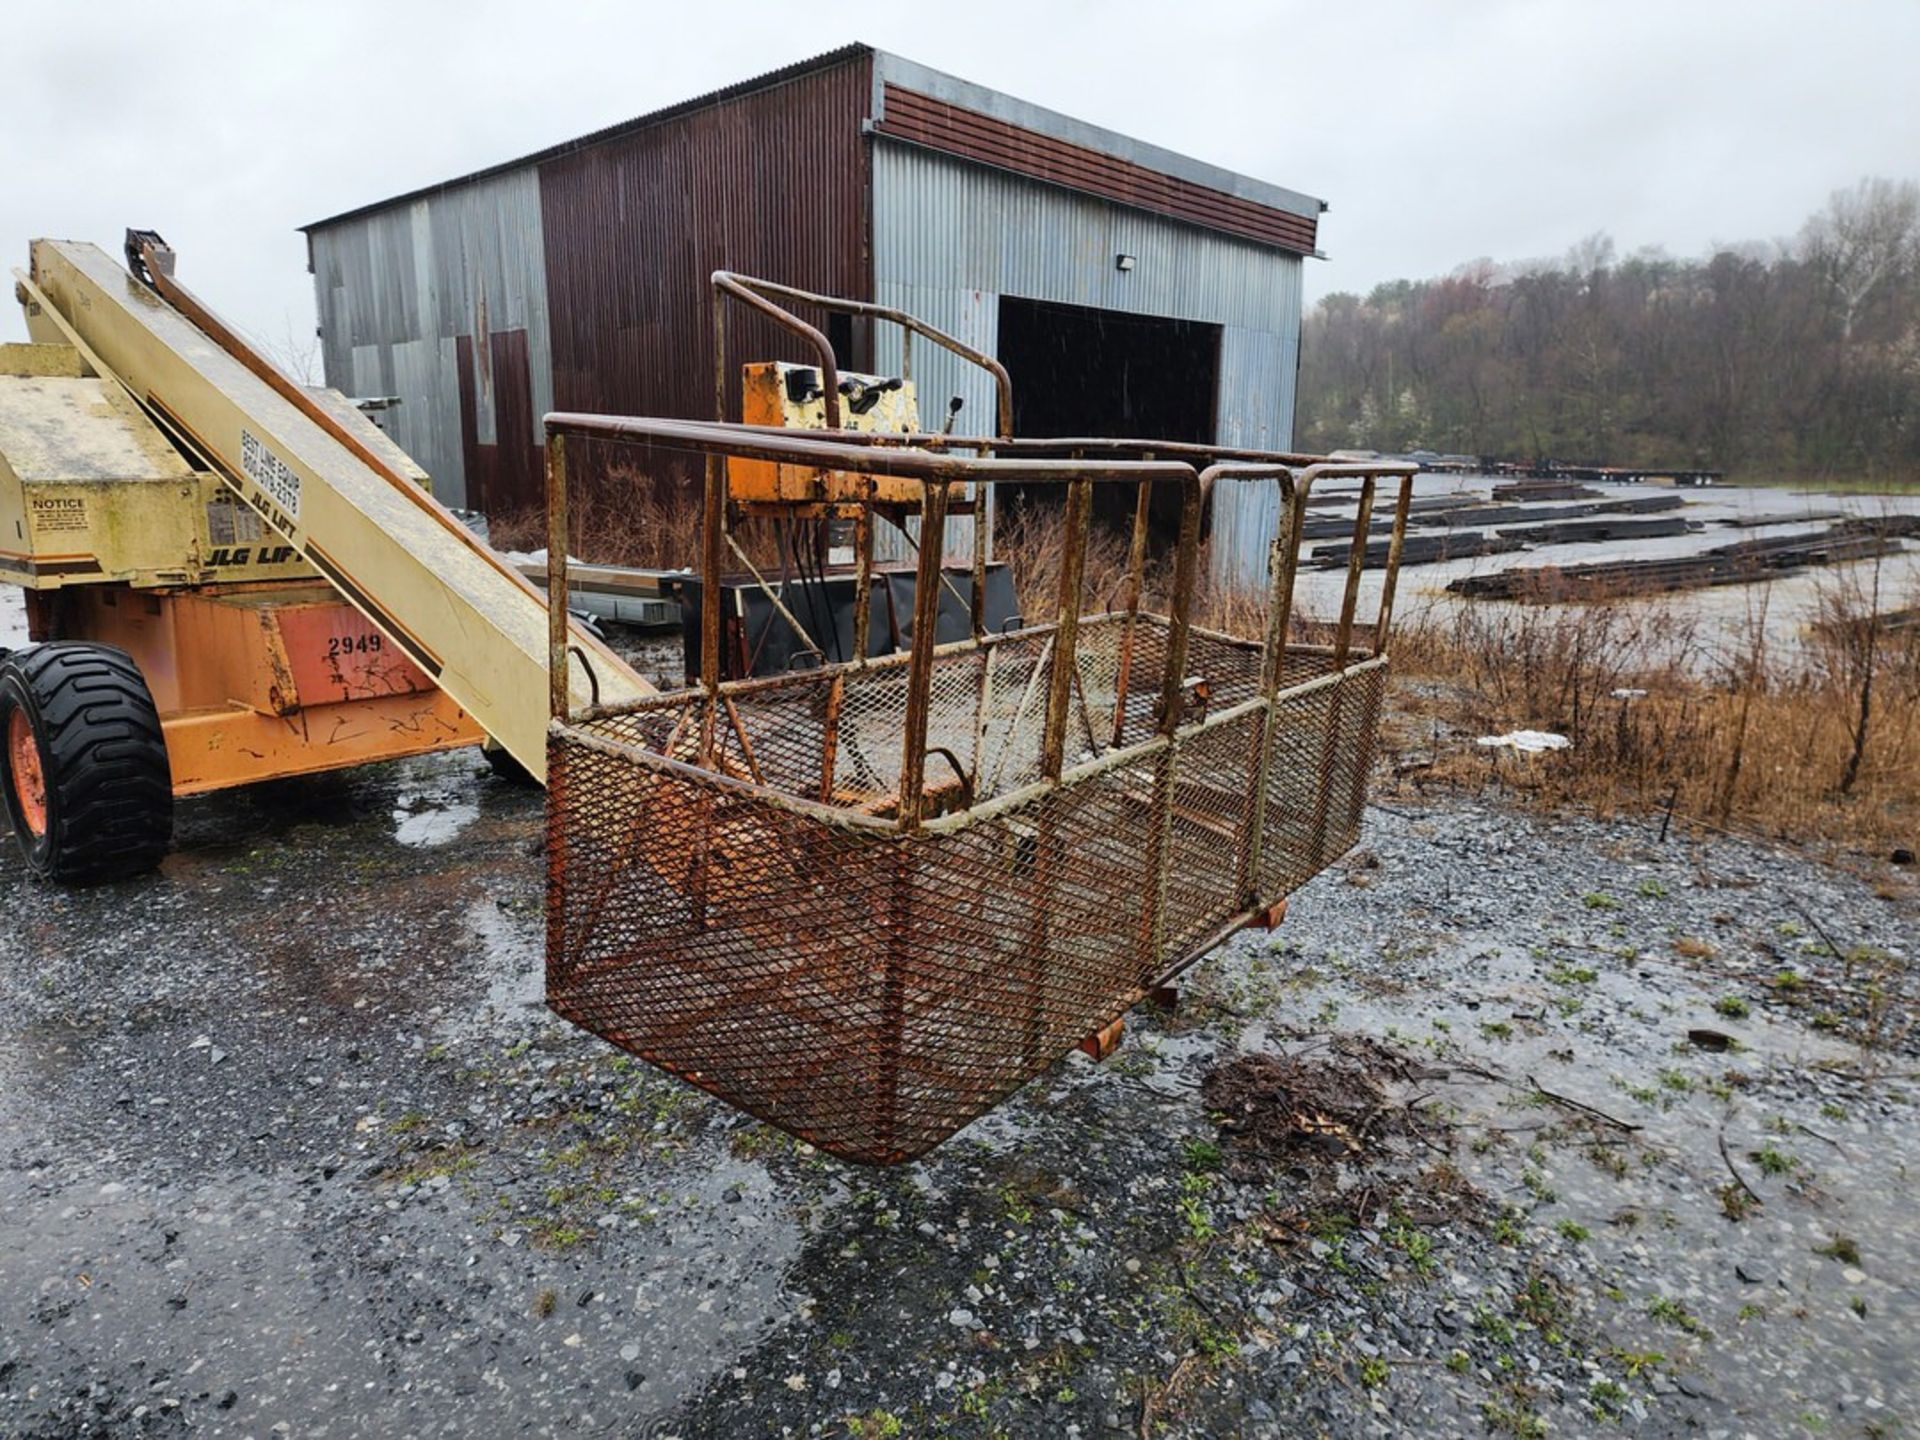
[467, 618]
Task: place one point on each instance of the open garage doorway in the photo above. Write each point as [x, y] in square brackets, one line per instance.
[1081, 371]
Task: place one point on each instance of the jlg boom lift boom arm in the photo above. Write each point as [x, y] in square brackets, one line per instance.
[465, 617]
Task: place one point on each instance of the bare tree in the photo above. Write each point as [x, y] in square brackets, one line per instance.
[1798, 360]
[1863, 237]
[294, 353]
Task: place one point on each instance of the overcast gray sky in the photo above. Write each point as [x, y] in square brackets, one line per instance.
[1439, 132]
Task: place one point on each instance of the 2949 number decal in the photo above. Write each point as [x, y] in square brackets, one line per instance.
[339, 647]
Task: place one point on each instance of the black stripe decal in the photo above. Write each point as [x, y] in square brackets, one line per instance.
[50, 567]
[386, 622]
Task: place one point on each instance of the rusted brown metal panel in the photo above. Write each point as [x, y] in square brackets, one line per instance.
[505, 472]
[521, 464]
[771, 182]
[476, 459]
[939, 125]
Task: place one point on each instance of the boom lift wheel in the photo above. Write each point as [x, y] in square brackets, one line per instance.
[88, 786]
[498, 757]
[504, 766]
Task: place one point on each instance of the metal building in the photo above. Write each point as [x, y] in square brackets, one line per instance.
[1128, 289]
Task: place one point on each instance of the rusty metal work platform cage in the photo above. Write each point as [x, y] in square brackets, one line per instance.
[867, 901]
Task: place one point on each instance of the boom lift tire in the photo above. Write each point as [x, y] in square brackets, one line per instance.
[498, 757]
[88, 785]
[504, 766]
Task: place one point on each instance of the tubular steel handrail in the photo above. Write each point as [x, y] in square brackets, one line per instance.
[758, 294]
[1368, 473]
[1283, 570]
[867, 454]
[937, 472]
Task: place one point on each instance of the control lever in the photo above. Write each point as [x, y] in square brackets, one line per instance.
[803, 385]
[863, 395]
[953, 414]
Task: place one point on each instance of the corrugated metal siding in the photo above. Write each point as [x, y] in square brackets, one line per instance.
[595, 265]
[908, 115]
[772, 184]
[950, 238]
[397, 288]
[1257, 374]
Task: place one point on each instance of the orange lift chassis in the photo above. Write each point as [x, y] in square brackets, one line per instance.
[864, 901]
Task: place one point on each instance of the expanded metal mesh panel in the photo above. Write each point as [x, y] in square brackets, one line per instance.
[1207, 828]
[765, 926]
[1316, 782]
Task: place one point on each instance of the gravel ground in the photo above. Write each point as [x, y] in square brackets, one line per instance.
[288, 1145]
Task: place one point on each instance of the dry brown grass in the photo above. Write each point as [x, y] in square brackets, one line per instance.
[616, 524]
[1754, 740]
[1737, 736]
[1032, 543]
[1031, 539]
[628, 521]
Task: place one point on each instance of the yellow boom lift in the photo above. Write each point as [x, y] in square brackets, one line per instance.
[231, 577]
[864, 899]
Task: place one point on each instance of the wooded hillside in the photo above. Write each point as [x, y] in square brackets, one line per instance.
[1797, 358]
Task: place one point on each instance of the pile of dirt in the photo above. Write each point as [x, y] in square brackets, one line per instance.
[1341, 1099]
[1345, 1117]
[1293, 1107]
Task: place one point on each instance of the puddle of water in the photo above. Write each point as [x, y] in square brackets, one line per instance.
[310, 1301]
[508, 957]
[1795, 1328]
[33, 1068]
[688, 1273]
[437, 824]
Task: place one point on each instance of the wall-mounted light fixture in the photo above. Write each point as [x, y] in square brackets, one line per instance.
[1123, 262]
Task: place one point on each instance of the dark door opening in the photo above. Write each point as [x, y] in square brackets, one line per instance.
[1108, 373]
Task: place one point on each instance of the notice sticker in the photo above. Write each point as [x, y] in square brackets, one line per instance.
[272, 474]
[56, 514]
[230, 523]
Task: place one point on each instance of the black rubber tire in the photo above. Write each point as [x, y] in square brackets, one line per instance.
[504, 766]
[103, 756]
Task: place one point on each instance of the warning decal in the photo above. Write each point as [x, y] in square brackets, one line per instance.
[229, 522]
[55, 513]
[270, 473]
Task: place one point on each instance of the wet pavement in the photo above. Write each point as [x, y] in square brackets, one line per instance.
[289, 1145]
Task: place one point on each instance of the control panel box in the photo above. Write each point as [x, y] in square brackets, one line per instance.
[793, 397]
